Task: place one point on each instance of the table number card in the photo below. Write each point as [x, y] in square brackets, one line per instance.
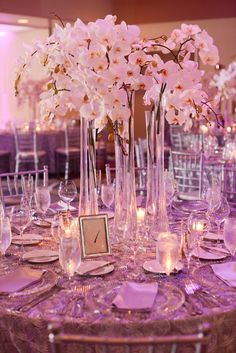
[94, 235]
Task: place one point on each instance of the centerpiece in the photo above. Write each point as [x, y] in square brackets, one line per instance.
[95, 69]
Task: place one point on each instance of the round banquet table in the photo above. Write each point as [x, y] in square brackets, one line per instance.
[47, 141]
[26, 332]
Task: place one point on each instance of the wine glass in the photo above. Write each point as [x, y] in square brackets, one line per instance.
[198, 226]
[67, 192]
[5, 238]
[219, 213]
[229, 235]
[42, 199]
[168, 252]
[107, 194]
[189, 244]
[70, 256]
[21, 218]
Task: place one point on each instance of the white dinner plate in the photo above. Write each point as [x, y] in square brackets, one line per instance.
[214, 236]
[40, 256]
[153, 266]
[27, 239]
[208, 255]
[99, 272]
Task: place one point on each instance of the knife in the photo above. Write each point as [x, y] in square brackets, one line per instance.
[215, 251]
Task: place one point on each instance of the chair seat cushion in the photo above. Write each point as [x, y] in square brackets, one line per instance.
[71, 150]
[4, 153]
[30, 154]
[12, 200]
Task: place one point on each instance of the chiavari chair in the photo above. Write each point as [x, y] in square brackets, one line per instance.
[195, 343]
[12, 185]
[187, 168]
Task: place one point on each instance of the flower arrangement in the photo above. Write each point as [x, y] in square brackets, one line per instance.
[95, 68]
[30, 91]
[225, 81]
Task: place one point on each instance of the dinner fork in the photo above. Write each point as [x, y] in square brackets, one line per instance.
[189, 291]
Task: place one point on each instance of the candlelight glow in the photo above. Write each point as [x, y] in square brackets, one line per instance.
[140, 214]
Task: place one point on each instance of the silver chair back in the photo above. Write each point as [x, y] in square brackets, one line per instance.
[12, 185]
[229, 182]
[195, 343]
[188, 169]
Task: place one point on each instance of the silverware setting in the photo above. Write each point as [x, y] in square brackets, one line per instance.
[37, 300]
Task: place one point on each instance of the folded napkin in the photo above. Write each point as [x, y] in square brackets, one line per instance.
[90, 266]
[136, 296]
[19, 279]
[226, 272]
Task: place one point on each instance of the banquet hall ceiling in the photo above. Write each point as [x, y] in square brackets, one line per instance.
[132, 11]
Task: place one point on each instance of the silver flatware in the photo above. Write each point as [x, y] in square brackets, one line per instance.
[37, 300]
[189, 293]
[215, 251]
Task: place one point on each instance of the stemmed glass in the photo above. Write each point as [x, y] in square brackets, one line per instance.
[189, 244]
[229, 235]
[168, 252]
[198, 226]
[21, 218]
[219, 212]
[107, 194]
[5, 237]
[67, 192]
[42, 199]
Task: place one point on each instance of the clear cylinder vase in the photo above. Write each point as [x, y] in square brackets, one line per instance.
[125, 193]
[151, 186]
[88, 191]
[160, 223]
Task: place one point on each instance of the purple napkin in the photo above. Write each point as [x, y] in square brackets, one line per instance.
[19, 279]
[226, 272]
[136, 296]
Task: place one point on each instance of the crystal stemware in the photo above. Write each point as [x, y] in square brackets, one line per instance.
[67, 192]
[219, 213]
[107, 194]
[42, 199]
[168, 252]
[21, 218]
[229, 235]
[198, 226]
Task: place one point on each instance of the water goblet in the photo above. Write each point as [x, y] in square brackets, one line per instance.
[168, 252]
[107, 194]
[5, 238]
[219, 214]
[42, 199]
[70, 260]
[198, 226]
[67, 192]
[229, 235]
[189, 244]
[21, 218]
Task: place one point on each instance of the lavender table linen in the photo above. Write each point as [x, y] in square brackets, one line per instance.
[27, 332]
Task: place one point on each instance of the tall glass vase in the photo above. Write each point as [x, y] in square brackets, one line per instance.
[160, 223]
[125, 194]
[151, 187]
[88, 191]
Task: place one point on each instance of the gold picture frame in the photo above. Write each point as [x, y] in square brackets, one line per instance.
[94, 235]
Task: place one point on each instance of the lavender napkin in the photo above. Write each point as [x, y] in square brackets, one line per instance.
[19, 279]
[136, 296]
[226, 272]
